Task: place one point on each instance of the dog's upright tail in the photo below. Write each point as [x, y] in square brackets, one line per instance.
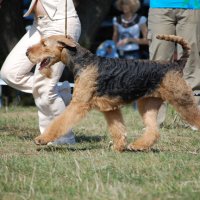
[186, 47]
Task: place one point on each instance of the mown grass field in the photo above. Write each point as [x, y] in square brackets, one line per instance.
[89, 170]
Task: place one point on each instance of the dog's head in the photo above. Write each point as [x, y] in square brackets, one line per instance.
[49, 51]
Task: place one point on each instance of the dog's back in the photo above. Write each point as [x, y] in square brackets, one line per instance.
[131, 79]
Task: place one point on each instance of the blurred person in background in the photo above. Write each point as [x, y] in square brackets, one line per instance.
[129, 29]
[180, 18]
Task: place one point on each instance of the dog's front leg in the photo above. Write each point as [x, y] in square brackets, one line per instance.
[61, 124]
[117, 129]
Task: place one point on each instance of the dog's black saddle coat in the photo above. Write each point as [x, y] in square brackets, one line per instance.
[129, 79]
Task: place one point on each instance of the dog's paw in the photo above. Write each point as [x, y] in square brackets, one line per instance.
[118, 145]
[40, 140]
[137, 147]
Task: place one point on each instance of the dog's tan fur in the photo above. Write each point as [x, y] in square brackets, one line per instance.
[172, 89]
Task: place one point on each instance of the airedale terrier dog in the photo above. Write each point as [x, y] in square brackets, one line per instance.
[107, 84]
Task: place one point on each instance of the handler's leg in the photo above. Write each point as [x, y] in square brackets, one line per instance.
[190, 20]
[161, 21]
[16, 70]
[47, 98]
[46, 93]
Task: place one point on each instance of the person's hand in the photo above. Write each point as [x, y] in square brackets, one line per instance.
[126, 41]
[123, 42]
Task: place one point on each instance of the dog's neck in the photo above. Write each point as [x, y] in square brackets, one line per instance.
[78, 60]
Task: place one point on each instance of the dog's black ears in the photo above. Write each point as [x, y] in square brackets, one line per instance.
[67, 42]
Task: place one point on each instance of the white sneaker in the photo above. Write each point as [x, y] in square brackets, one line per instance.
[64, 140]
[194, 128]
[64, 90]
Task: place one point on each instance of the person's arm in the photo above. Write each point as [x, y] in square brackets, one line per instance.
[115, 34]
[143, 40]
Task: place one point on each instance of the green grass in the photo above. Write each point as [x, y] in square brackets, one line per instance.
[89, 169]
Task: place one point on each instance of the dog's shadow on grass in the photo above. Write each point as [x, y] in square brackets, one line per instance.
[152, 150]
[90, 139]
[83, 143]
[26, 137]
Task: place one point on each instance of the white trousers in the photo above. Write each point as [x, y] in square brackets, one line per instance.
[16, 70]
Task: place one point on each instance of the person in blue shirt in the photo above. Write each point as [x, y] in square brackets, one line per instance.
[177, 17]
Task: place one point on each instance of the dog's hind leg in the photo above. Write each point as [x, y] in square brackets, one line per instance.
[61, 124]
[180, 95]
[117, 129]
[148, 108]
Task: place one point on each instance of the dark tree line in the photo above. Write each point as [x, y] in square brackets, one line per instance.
[11, 26]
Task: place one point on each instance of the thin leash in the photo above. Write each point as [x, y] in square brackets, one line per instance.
[66, 18]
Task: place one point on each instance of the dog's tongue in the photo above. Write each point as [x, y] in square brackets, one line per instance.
[44, 63]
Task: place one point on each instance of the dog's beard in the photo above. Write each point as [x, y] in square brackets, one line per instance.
[46, 71]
